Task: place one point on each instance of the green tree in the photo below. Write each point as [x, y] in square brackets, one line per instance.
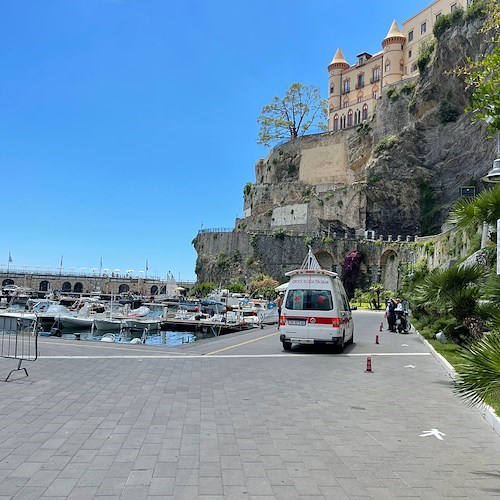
[203, 289]
[483, 75]
[292, 115]
[264, 285]
[377, 289]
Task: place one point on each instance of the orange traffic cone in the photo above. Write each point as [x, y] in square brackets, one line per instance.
[368, 365]
[381, 327]
[376, 339]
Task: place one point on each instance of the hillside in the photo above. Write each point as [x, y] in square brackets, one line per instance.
[397, 174]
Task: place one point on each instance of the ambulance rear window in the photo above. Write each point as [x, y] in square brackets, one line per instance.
[309, 300]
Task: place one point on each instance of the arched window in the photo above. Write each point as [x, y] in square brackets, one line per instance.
[78, 287]
[345, 104]
[123, 288]
[163, 289]
[349, 118]
[387, 66]
[342, 121]
[44, 286]
[365, 112]
[375, 92]
[331, 89]
[66, 287]
[357, 117]
[336, 122]
[154, 290]
[360, 97]
[8, 281]
[331, 110]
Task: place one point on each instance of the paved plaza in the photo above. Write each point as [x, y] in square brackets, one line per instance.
[235, 417]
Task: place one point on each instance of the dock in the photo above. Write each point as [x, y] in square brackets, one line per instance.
[215, 328]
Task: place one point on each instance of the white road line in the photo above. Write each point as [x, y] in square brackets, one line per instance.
[202, 356]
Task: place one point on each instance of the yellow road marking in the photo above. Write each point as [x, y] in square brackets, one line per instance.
[241, 343]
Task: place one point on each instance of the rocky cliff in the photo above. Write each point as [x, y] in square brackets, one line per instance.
[396, 174]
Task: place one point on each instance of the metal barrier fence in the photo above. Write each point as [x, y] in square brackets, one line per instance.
[18, 340]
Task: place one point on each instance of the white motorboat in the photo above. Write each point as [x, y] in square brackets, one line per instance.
[108, 324]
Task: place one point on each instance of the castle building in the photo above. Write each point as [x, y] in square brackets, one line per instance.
[354, 90]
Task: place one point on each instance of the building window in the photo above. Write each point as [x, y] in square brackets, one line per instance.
[331, 110]
[361, 61]
[349, 118]
[387, 66]
[345, 104]
[423, 28]
[360, 97]
[469, 2]
[454, 7]
[331, 89]
[375, 94]
[376, 74]
[409, 54]
[413, 67]
[342, 121]
[410, 36]
[438, 15]
[346, 86]
[361, 81]
[365, 112]
[336, 122]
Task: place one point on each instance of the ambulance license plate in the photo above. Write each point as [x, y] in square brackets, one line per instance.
[296, 322]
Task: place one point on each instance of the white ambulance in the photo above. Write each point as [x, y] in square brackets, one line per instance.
[315, 309]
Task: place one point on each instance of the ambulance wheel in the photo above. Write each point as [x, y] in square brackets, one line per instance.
[340, 348]
[287, 346]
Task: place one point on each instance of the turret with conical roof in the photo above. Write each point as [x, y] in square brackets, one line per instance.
[393, 45]
[335, 68]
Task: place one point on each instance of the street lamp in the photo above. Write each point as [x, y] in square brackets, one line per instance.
[493, 175]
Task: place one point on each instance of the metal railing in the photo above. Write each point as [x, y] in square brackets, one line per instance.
[18, 340]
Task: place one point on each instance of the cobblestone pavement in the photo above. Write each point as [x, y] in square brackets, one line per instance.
[237, 417]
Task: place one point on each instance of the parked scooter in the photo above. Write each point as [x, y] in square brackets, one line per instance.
[402, 311]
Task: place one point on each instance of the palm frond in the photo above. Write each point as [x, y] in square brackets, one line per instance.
[479, 373]
[485, 207]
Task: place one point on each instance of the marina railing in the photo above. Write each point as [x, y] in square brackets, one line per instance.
[18, 340]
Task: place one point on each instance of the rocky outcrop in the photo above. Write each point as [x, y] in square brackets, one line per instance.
[397, 174]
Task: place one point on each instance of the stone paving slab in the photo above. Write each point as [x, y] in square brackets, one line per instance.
[203, 423]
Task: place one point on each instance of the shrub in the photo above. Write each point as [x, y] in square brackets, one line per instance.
[291, 169]
[443, 23]
[385, 144]
[279, 233]
[308, 240]
[392, 94]
[425, 52]
[477, 8]
[248, 188]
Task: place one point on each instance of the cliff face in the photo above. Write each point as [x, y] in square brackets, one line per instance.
[397, 174]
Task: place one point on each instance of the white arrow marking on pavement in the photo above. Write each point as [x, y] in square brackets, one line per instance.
[433, 432]
[404, 345]
[410, 366]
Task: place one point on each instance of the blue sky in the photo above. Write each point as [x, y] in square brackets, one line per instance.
[127, 124]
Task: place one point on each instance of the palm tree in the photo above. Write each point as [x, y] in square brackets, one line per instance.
[479, 374]
[455, 292]
[485, 207]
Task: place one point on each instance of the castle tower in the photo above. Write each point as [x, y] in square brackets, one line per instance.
[393, 65]
[335, 68]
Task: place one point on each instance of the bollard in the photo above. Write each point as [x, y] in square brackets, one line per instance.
[368, 365]
[376, 339]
